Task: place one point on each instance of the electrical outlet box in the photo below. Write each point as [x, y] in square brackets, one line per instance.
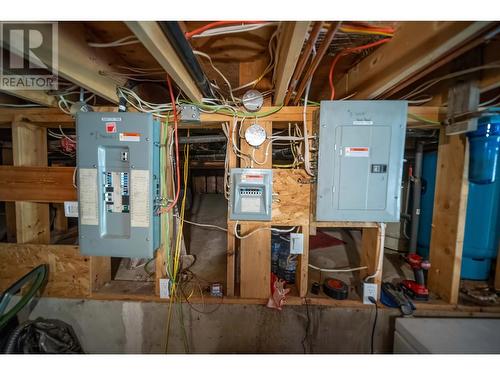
[296, 243]
[369, 290]
[118, 184]
[361, 144]
[251, 194]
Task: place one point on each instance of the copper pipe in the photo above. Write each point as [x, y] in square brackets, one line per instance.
[317, 59]
[301, 64]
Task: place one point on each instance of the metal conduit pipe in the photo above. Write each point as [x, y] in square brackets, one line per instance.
[417, 191]
[202, 139]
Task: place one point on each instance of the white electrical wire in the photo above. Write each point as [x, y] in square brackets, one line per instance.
[204, 55]
[426, 85]
[380, 261]
[258, 230]
[128, 40]
[337, 270]
[202, 225]
[232, 30]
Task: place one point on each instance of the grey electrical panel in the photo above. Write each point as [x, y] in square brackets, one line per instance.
[251, 194]
[361, 145]
[118, 184]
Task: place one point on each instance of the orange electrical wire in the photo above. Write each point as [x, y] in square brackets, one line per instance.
[345, 52]
[172, 99]
[366, 26]
[209, 26]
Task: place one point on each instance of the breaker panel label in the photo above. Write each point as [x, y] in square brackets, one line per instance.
[130, 137]
[139, 198]
[88, 196]
[257, 178]
[357, 152]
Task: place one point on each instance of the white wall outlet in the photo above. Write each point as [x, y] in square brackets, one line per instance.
[296, 243]
[71, 209]
[369, 290]
[164, 288]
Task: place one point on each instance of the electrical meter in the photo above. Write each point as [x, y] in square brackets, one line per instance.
[361, 144]
[255, 135]
[118, 184]
[251, 194]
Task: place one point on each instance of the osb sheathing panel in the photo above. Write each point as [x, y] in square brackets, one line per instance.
[69, 272]
[291, 197]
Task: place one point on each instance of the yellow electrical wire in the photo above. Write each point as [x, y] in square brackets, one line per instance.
[177, 253]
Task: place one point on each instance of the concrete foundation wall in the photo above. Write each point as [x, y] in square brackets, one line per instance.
[140, 327]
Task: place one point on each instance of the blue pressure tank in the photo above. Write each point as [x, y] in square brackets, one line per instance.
[484, 150]
[482, 224]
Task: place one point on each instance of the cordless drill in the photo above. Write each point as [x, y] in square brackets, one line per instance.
[416, 289]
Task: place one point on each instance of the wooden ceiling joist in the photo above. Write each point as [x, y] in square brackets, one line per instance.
[292, 36]
[416, 47]
[153, 38]
[77, 63]
[33, 96]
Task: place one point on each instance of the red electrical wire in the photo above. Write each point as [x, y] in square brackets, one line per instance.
[345, 52]
[209, 26]
[172, 99]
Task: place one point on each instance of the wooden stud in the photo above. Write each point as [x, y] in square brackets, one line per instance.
[291, 39]
[255, 261]
[370, 253]
[448, 220]
[29, 147]
[302, 273]
[153, 38]
[60, 220]
[10, 207]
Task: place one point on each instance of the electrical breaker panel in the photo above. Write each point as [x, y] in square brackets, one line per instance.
[118, 158]
[251, 194]
[361, 145]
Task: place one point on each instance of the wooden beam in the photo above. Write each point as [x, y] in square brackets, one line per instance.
[49, 117]
[29, 148]
[153, 38]
[34, 96]
[415, 47]
[291, 40]
[301, 64]
[81, 64]
[37, 184]
[322, 50]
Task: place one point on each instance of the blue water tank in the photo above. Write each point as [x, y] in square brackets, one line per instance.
[484, 150]
[482, 224]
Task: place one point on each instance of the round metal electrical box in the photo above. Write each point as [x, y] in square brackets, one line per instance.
[253, 100]
[255, 135]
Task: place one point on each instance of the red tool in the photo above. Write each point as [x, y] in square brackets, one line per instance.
[416, 289]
